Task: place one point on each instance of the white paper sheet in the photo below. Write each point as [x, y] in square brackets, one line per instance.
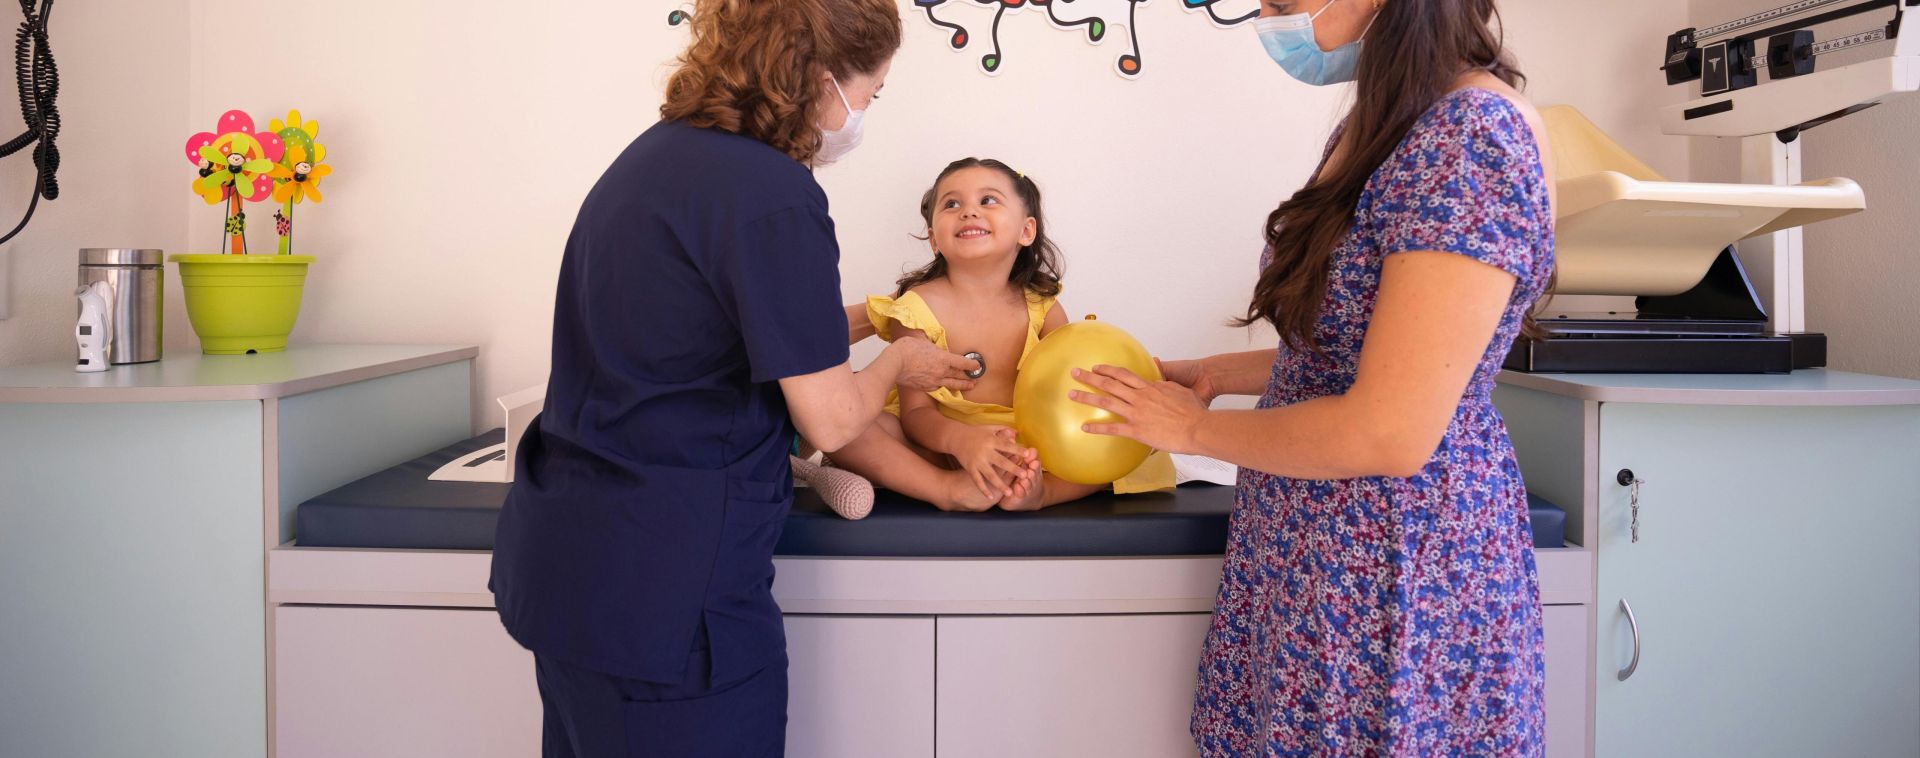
[1192, 468]
[495, 462]
[521, 408]
[488, 464]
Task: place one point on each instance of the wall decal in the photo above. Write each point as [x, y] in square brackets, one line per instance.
[1094, 25]
[1059, 13]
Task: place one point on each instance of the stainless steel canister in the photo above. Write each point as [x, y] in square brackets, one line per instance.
[137, 279]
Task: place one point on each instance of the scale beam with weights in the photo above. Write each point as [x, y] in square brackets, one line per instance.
[1702, 303]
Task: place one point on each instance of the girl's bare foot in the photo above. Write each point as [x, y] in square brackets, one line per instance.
[962, 494]
[1029, 462]
[1029, 491]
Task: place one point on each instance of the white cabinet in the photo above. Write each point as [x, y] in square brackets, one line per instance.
[1566, 633]
[1068, 686]
[887, 658]
[860, 685]
[401, 683]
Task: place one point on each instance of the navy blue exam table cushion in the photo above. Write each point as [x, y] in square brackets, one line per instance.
[401, 508]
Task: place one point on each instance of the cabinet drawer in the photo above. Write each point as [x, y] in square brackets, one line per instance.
[401, 682]
[1068, 686]
[860, 685]
[1567, 634]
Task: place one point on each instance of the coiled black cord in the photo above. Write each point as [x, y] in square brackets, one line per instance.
[39, 83]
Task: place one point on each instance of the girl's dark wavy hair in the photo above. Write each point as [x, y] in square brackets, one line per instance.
[1036, 268]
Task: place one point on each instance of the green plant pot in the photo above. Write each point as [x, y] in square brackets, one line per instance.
[242, 303]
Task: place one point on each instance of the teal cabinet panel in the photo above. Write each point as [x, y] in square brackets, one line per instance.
[337, 435]
[131, 580]
[1549, 440]
[1775, 584]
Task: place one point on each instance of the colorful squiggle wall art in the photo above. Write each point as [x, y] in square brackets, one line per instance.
[1062, 14]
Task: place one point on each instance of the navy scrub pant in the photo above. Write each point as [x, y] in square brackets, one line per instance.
[589, 714]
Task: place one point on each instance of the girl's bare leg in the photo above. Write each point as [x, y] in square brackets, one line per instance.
[883, 454]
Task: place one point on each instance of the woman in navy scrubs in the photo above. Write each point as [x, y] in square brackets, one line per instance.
[697, 328]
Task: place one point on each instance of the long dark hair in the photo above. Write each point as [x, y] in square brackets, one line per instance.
[1036, 268]
[1415, 51]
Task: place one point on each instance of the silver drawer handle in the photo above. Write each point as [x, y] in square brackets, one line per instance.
[1633, 624]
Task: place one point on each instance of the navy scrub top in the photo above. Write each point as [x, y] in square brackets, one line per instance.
[648, 495]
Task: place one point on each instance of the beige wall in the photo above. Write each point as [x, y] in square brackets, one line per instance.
[1862, 270]
[465, 135]
[122, 176]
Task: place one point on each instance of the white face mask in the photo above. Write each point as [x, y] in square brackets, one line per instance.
[836, 143]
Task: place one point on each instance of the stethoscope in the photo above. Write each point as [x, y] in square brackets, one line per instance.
[979, 359]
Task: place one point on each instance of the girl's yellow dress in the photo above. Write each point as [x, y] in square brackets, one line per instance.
[911, 311]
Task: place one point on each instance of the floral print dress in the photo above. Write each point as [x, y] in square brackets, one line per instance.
[1389, 616]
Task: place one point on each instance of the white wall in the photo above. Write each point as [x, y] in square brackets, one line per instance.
[123, 91]
[464, 136]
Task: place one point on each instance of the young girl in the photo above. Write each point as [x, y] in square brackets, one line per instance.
[990, 290]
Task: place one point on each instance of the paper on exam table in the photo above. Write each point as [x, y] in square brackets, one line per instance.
[488, 464]
[1199, 468]
[495, 462]
[521, 408]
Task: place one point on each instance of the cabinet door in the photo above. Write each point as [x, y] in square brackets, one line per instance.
[401, 682]
[1068, 686]
[859, 686]
[130, 580]
[1775, 584]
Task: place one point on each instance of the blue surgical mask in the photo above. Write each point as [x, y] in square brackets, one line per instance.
[1289, 41]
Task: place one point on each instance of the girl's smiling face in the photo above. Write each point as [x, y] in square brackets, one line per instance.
[977, 215]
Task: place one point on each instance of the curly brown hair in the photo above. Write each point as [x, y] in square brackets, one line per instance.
[754, 66]
[1036, 268]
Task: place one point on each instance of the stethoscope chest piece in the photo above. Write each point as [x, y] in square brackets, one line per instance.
[981, 370]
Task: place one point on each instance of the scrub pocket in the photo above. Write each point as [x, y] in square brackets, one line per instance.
[751, 502]
[743, 623]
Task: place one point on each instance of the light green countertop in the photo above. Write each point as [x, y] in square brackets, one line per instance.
[192, 376]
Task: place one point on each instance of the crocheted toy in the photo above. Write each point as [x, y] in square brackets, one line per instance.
[847, 493]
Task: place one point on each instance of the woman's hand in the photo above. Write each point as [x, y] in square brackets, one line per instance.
[1161, 415]
[1193, 375]
[832, 407]
[925, 368]
[990, 455]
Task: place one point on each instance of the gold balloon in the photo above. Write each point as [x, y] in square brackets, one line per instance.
[1049, 422]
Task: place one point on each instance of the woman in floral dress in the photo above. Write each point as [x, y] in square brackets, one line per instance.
[1379, 595]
